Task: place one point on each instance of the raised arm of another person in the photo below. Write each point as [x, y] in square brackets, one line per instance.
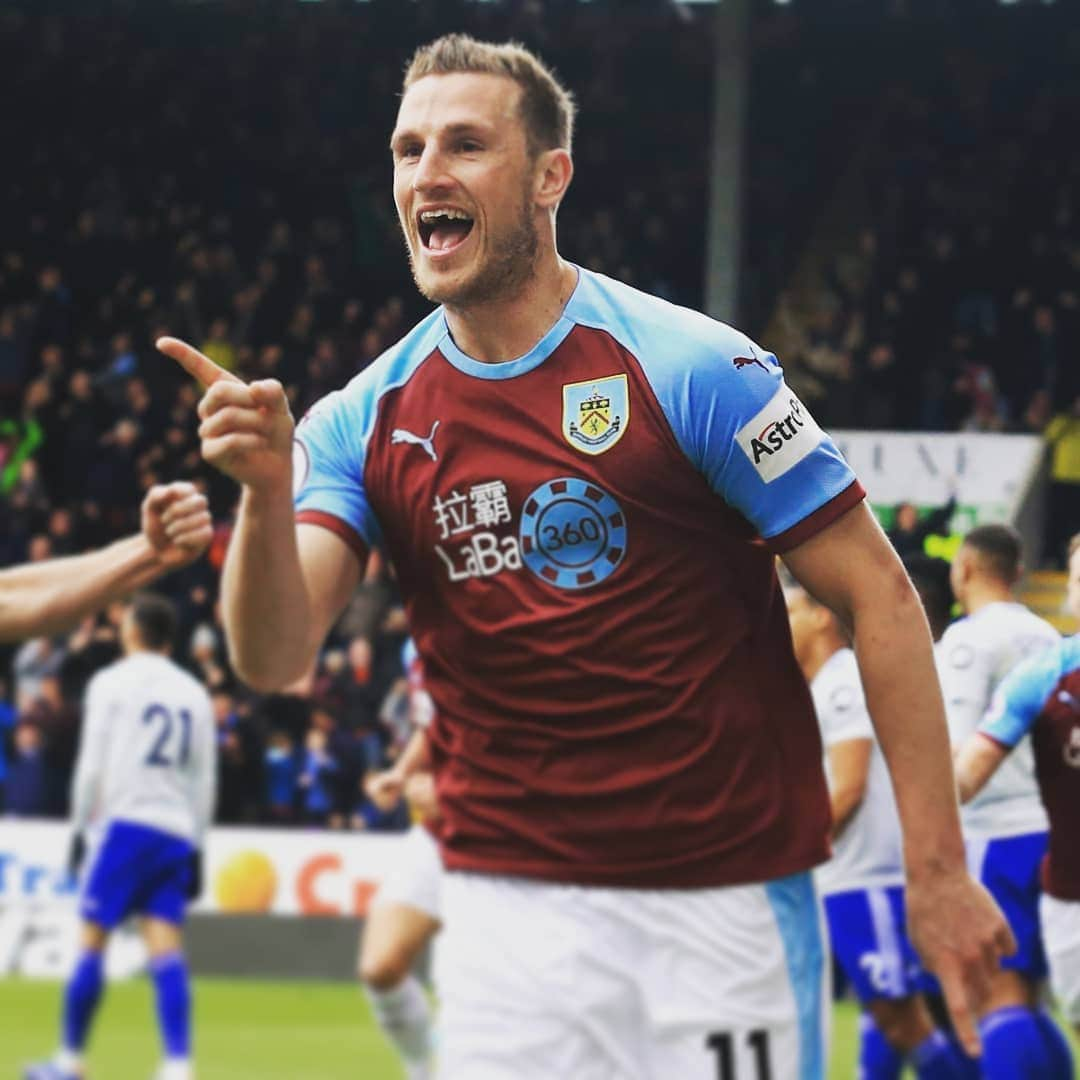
[955, 926]
[283, 584]
[44, 598]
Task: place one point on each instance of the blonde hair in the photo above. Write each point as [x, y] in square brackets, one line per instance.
[547, 107]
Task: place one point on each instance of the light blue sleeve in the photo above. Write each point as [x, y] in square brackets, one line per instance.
[330, 451]
[328, 465]
[753, 439]
[1020, 697]
[728, 407]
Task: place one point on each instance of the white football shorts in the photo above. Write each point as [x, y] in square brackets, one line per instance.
[1061, 936]
[416, 879]
[540, 980]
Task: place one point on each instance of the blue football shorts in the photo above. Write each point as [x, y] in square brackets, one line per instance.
[868, 933]
[1009, 868]
[137, 870]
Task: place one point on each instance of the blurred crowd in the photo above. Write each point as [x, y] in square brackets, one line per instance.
[957, 304]
[187, 169]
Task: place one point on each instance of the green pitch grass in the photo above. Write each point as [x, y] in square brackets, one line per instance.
[246, 1030]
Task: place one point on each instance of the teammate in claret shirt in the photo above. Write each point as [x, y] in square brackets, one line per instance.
[1040, 697]
[1005, 824]
[862, 885]
[142, 800]
[582, 489]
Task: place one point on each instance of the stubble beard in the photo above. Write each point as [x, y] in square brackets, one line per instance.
[501, 276]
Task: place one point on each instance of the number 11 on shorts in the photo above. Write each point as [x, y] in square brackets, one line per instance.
[722, 1044]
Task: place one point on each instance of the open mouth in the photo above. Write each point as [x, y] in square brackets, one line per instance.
[443, 230]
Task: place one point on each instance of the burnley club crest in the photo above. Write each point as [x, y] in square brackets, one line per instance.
[595, 413]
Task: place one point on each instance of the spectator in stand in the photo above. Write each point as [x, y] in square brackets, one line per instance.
[219, 345]
[7, 726]
[369, 815]
[206, 663]
[28, 780]
[318, 780]
[282, 774]
[35, 661]
[238, 770]
[909, 531]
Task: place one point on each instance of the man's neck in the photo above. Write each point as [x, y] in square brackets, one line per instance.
[982, 594]
[506, 329]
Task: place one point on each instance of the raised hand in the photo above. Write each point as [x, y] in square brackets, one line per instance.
[246, 429]
[176, 522]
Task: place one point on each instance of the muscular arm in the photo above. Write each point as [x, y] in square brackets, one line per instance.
[44, 598]
[849, 766]
[282, 588]
[851, 567]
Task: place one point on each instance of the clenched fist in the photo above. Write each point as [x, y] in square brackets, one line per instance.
[176, 523]
[246, 429]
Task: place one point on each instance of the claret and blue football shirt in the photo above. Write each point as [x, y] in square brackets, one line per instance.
[584, 538]
[1041, 696]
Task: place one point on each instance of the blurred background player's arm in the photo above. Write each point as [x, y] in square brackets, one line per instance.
[849, 766]
[42, 599]
[976, 761]
[89, 770]
[851, 567]
[205, 775]
[387, 787]
[205, 766]
[1015, 707]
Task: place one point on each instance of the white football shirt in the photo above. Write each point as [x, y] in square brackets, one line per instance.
[975, 653]
[148, 752]
[868, 852]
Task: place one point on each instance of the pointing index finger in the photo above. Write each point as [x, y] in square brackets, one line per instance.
[194, 362]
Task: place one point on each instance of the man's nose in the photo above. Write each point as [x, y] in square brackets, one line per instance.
[430, 170]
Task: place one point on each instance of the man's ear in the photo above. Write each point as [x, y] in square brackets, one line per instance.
[554, 171]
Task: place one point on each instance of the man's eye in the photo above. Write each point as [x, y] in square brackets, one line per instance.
[468, 146]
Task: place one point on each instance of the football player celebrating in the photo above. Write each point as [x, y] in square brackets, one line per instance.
[582, 488]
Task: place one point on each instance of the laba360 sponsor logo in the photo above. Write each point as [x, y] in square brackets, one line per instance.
[572, 534]
[779, 436]
[465, 520]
